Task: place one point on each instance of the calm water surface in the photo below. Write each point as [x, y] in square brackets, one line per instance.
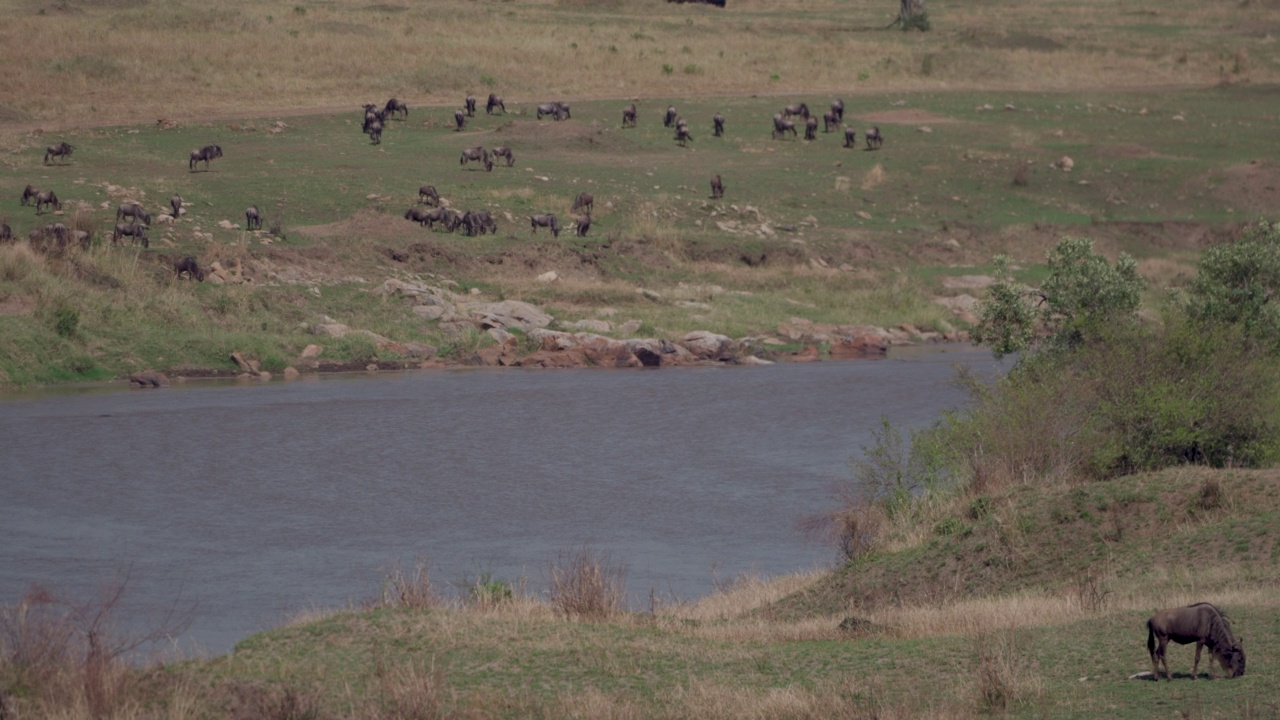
[251, 503]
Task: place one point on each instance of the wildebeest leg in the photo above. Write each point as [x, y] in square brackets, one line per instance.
[1195, 667]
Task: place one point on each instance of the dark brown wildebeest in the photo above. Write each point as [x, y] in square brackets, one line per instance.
[427, 194]
[782, 126]
[830, 121]
[470, 104]
[459, 120]
[478, 222]
[450, 219]
[47, 198]
[374, 131]
[585, 201]
[717, 187]
[502, 151]
[6, 232]
[394, 106]
[547, 221]
[55, 236]
[175, 204]
[629, 116]
[188, 267]
[1202, 624]
[837, 109]
[252, 218]
[495, 101]
[850, 137]
[475, 154]
[557, 110]
[797, 109]
[56, 150]
[135, 232]
[29, 194]
[422, 216]
[669, 119]
[133, 211]
[582, 224]
[811, 128]
[683, 136]
[874, 138]
[204, 154]
[717, 124]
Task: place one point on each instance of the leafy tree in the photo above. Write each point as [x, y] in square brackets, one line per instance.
[1083, 294]
[1235, 285]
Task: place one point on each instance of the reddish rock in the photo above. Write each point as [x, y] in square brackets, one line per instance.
[148, 379]
[862, 346]
[808, 354]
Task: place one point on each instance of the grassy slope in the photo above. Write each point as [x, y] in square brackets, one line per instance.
[1021, 613]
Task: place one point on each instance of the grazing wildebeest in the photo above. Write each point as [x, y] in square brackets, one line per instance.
[133, 230]
[582, 223]
[29, 194]
[373, 112]
[683, 135]
[6, 232]
[477, 154]
[47, 198]
[394, 106]
[470, 105]
[873, 138]
[811, 128]
[204, 154]
[1202, 624]
[61, 149]
[830, 121]
[478, 222]
[717, 124]
[797, 109]
[428, 194]
[782, 126]
[422, 216]
[850, 137]
[585, 201]
[557, 110]
[547, 221]
[175, 203]
[495, 101]
[670, 118]
[717, 187]
[502, 151]
[134, 211]
[459, 120]
[374, 130]
[629, 115]
[56, 233]
[252, 218]
[189, 267]
[837, 109]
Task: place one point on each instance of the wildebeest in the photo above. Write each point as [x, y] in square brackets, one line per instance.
[189, 267]
[495, 101]
[850, 137]
[133, 230]
[428, 194]
[502, 151]
[422, 216]
[629, 115]
[830, 121]
[450, 218]
[547, 221]
[717, 124]
[873, 138]
[459, 120]
[175, 203]
[58, 234]
[670, 118]
[682, 133]
[394, 106]
[478, 222]
[797, 109]
[6, 232]
[47, 198]
[134, 211]
[61, 149]
[837, 109]
[476, 154]
[781, 126]
[811, 128]
[373, 112]
[582, 224]
[557, 110]
[29, 194]
[374, 131]
[252, 218]
[470, 105]
[204, 154]
[717, 187]
[585, 201]
[1202, 624]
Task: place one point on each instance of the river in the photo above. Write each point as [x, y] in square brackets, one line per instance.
[245, 504]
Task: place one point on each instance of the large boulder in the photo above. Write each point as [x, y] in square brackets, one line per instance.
[508, 315]
[707, 345]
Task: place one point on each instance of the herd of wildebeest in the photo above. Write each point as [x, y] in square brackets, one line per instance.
[133, 220]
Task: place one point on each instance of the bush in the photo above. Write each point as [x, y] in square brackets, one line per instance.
[66, 321]
[586, 583]
[1235, 283]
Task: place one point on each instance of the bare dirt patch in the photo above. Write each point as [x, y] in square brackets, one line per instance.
[1254, 187]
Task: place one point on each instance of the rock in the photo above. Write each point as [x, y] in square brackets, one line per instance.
[508, 314]
[148, 379]
[332, 329]
[311, 351]
[707, 345]
[429, 312]
[548, 277]
[226, 225]
[862, 346]
[1065, 164]
[596, 326]
[240, 361]
[863, 214]
[291, 373]
[808, 354]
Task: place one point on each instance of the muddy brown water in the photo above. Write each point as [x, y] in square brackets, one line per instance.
[248, 504]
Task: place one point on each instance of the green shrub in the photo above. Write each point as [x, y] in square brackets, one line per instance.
[66, 321]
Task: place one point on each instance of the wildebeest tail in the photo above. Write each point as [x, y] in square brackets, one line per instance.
[1151, 640]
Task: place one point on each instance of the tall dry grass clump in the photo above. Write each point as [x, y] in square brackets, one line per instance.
[1005, 677]
[409, 589]
[587, 583]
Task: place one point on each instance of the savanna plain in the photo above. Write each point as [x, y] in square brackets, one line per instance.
[1001, 563]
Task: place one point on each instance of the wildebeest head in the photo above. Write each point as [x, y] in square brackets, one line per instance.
[1232, 659]
[669, 119]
